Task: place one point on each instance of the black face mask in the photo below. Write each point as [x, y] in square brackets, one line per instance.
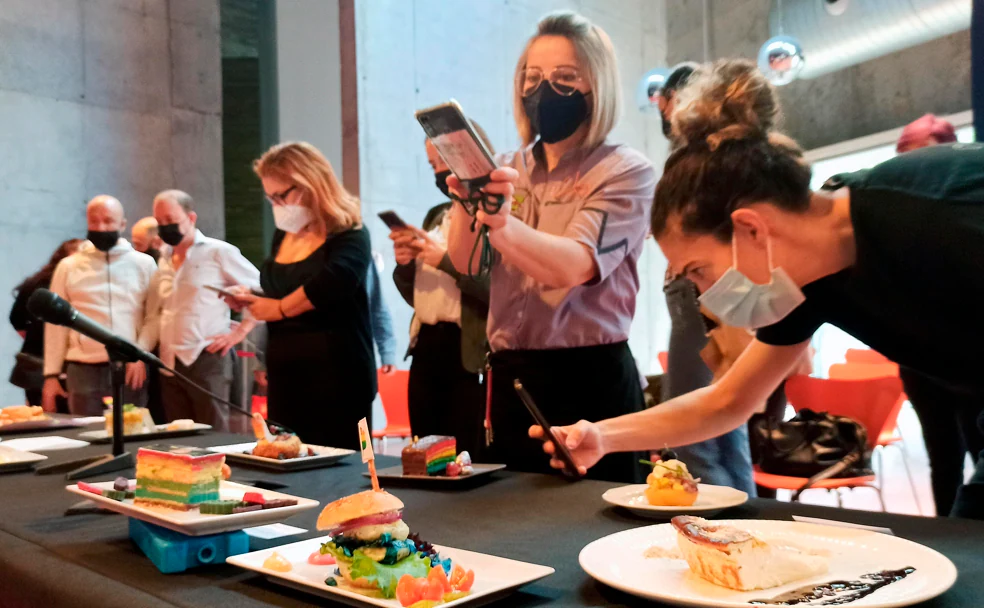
[554, 116]
[103, 239]
[154, 253]
[441, 181]
[170, 234]
[667, 126]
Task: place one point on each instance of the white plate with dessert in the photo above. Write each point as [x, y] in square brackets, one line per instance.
[12, 460]
[435, 458]
[183, 489]
[695, 562]
[369, 558]
[139, 426]
[280, 450]
[671, 490]
[30, 418]
[709, 500]
[307, 456]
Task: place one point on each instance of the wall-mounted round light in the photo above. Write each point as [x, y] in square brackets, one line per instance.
[647, 93]
[781, 59]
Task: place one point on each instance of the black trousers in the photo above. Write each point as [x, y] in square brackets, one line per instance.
[213, 372]
[568, 384]
[319, 387]
[949, 420]
[444, 398]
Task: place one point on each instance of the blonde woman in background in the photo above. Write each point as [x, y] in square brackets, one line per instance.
[567, 242]
[320, 362]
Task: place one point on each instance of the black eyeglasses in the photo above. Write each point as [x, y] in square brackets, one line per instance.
[563, 79]
[280, 198]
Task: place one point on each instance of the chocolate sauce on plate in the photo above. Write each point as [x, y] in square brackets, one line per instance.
[837, 593]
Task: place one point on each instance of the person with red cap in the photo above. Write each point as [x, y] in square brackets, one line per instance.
[929, 130]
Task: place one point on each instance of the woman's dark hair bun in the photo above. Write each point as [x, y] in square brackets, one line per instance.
[726, 100]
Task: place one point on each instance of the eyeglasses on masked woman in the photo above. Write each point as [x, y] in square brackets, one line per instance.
[563, 79]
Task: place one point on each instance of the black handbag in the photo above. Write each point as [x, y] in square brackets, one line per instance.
[28, 372]
[814, 445]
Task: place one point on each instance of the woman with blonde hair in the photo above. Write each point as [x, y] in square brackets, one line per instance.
[320, 362]
[567, 243]
[880, 253]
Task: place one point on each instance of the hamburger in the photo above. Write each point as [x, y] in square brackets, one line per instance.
[372, 544]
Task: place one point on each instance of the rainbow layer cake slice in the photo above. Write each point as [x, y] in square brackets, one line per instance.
[429, 455]
[177, 477]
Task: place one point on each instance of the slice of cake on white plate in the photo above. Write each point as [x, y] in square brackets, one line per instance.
[736, 559]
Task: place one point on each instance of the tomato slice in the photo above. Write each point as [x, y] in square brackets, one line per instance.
[439, 579]
[465, 584]
[431, 591]
[406, 590]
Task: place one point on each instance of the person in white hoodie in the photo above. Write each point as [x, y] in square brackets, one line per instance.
[109, 282]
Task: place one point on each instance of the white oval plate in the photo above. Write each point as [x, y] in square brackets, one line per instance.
[710, 499]
[618, 560]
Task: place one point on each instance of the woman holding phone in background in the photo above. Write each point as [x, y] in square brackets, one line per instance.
[567, 243]
[320, 363]
[447, 334]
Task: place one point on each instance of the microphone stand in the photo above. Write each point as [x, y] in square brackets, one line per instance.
[107, 463]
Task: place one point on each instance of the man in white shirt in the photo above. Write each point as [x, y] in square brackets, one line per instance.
[196, 330]
[108, 282]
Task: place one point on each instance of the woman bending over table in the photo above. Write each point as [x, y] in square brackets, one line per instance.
[886, 254]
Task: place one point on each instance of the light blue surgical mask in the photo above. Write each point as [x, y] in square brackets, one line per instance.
[740, 302]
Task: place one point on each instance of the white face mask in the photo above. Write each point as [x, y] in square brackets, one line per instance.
[739, 302]
[292, 218]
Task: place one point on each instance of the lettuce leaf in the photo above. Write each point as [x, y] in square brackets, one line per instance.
[336, 551]
[386, 577]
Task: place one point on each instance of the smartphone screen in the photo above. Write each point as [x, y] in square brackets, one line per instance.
[456, 141]
[392, 220]
[560, 450]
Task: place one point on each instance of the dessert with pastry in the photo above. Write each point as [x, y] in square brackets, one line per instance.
[433, 456]
[670, 483]
[734, 558]
[21, 413]
[277, 445]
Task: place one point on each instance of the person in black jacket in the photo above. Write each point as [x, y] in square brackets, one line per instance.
[447, 335]
[28, 372]
[320, 363]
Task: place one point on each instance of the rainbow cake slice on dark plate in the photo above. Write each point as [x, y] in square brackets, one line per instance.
[429, 455]
[177, 477]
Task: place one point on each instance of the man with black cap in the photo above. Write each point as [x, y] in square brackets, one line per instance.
[667, 95]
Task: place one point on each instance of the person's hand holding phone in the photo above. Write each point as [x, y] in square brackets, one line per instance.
[502, 182]
[236, 302]
[404, 249]
[582, 439]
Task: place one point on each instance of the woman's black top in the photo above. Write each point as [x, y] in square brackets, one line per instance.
[918, 277]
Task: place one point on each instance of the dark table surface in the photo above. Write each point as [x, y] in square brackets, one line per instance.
[50, 559]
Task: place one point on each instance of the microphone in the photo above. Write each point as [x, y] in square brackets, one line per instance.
[51, 308]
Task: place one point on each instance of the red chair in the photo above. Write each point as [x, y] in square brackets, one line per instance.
[888, 436]
[870, 401]
[865, 355]
[393, 393]
[664, 360]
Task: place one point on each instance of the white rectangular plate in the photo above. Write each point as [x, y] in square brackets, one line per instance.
[53, 422]
[396, 473]
[324, 456]
[16, 460]
[45, 444]
[101, 436]
[194, 523]
[494, 576]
